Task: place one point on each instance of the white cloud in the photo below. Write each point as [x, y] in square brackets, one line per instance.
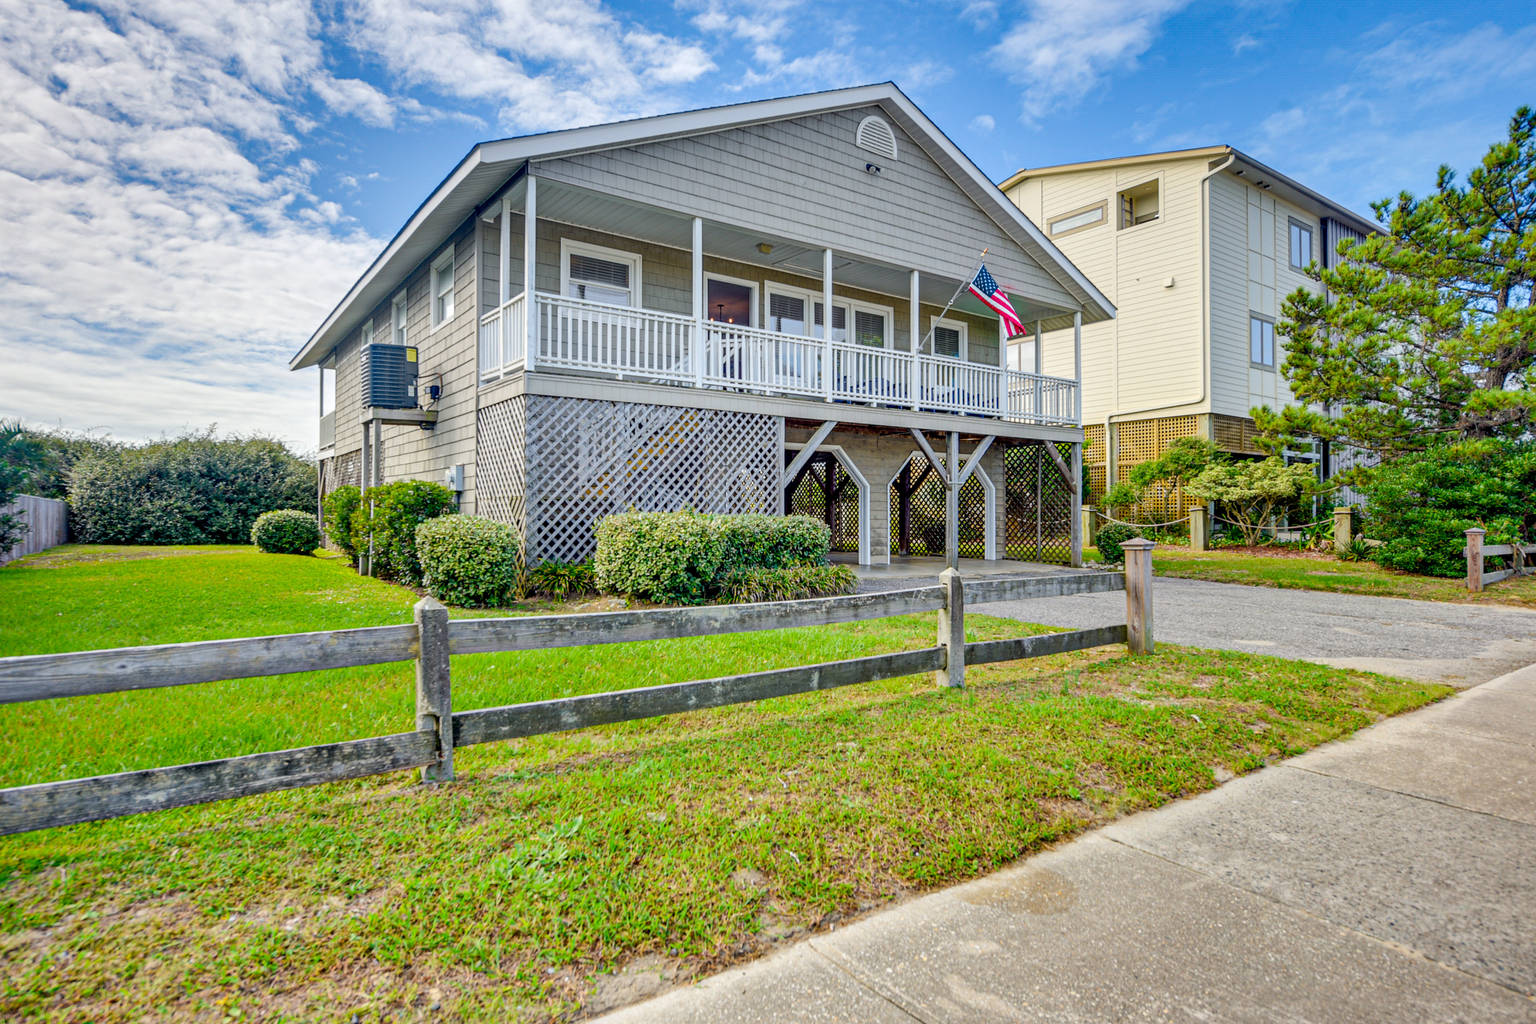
[983, 123]
[1243, 42]
[926, 73]
[1063, 48]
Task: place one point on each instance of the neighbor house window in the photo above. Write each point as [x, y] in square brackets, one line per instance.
[597, 274]
[1261, 341]
[367, 333]
[1077, 220]
[1139, 205]
[949, 338]
[1301, 244]
[397, 319]
[442, 289]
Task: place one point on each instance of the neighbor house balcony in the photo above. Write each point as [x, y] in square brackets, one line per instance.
[654, 347]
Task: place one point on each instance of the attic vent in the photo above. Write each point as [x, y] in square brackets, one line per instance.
[876, 136]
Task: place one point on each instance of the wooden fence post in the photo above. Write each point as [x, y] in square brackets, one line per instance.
[1343, 528]
[434, 694]
[1090, 526]
[1199, 529]
[1474, 553]
[952, 631]
[1138, 594]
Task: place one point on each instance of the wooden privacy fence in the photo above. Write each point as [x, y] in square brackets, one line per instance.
[1522, 559]
[47, 522]
[433, 638]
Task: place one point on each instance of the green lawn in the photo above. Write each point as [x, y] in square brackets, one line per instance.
[699, 840]
[1324, 572]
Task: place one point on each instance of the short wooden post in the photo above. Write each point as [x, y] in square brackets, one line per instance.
[434, 694]
[1474, 553]
[1343, 528]
[1090, 526]
[1138, 594]
[1199, 529]
[952, 631]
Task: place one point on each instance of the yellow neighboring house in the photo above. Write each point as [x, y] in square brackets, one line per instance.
[1197, 249]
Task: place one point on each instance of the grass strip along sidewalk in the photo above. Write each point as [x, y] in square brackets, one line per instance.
[514, 893]
[1316, 571]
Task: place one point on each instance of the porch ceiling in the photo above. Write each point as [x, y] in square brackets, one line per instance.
[571, 204]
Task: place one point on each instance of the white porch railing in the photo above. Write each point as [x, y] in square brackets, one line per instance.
[503, 340]
[646, 345]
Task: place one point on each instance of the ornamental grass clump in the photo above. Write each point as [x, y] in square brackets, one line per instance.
[467, 561]
[286, 532]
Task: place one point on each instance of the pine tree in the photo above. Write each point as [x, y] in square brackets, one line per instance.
[1425, 333]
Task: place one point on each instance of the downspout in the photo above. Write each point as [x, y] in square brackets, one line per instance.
[1110, 463]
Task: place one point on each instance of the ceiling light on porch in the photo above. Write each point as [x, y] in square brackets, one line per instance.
[764, 248]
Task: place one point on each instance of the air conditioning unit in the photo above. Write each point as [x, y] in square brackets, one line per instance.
[389, 376]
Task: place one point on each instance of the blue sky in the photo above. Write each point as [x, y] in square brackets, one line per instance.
[187, 186]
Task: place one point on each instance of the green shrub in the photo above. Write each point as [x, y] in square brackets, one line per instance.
[666, 557]
[1110, 539]
[1420, 506]
[196, 489]
[339, 507]
[286, 531]
[754, 540]
[561, 580]
[788, 584]
[391, 512]
[467, 561]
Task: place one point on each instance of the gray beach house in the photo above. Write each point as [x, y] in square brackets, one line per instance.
[733, 309]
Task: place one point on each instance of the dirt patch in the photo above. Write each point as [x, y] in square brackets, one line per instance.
[1261, 551]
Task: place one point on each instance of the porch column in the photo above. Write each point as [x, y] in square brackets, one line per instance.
[914, 328]
[1077, 505]
[506, 257]
[1002, 373]
[530, 267]
[826, 315]
[1039, 369]
[904, 523]
[1077, 366]
[699, 333]
[952, 502]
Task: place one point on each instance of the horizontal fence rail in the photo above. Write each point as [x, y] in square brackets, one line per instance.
[433, 637]
[1522, 560]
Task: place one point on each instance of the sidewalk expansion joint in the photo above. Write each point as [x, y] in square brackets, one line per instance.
[866, 986]
[1410, 796]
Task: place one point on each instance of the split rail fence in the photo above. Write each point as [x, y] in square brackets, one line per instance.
[433, 638]
[1522, 560]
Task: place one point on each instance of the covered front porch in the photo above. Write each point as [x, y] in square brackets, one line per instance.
[610, 288]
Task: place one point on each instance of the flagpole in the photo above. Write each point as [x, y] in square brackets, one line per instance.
[980, 262]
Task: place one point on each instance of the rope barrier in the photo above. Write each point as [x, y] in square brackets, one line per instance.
[1139, 526]
[1303, 526]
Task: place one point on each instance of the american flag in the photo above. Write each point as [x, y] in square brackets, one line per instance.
[985, 288]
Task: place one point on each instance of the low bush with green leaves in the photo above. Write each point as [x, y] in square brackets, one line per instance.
[560, 580]
[754, 540]
[339, 507]
[1110, 540]
[390, 513]
[665, 557]
[286, 531]
[468, 561]
[788, 584]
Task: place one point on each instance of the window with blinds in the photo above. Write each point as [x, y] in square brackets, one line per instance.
[786, 313]
[839, 321]
[599, 280]
[946, 341]
[868, 328]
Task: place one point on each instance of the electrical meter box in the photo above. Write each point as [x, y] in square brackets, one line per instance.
[389, 376]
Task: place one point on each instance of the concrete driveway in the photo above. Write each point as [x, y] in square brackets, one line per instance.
[1457, 644]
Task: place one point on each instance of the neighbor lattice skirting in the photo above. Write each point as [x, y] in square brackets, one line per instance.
[553, 466]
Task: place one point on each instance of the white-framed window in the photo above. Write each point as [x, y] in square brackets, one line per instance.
[595, 273]
[787, 307]
[1139, 204]
[730, 300]
[1261, 341]
[1077, 220]
[872, 325]
[442, 289]
[367, 332]
[397, 319]
[1301, 244]
[949, 337]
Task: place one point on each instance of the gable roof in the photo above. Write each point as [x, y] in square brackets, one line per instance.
[1242, 164]
[490, 165]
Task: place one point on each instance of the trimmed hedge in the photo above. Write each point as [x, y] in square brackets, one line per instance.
[687, 557]
[339, 507]
[788, 584]
[467, 561]
[392, 512]
[286, 531]
[1110, 539]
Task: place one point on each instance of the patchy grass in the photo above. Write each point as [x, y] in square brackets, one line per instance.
[516, 892]
[1318, 571]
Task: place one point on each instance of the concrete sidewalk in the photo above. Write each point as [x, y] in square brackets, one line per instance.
[1388, 877]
